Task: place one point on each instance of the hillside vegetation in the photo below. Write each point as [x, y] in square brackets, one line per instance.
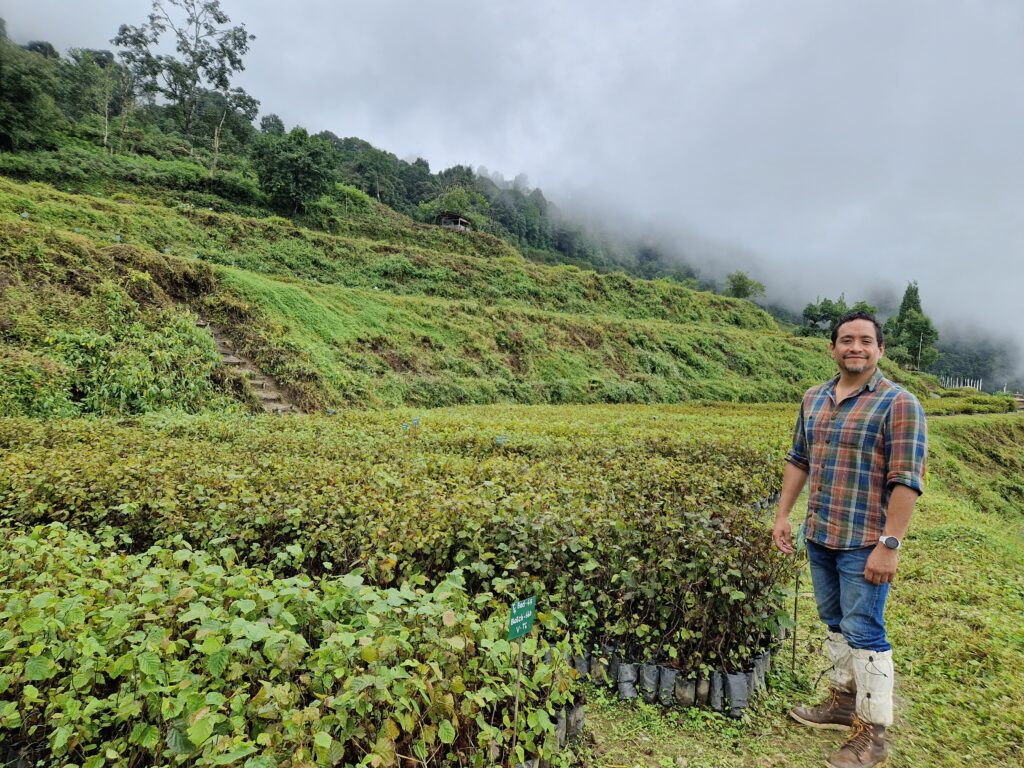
[392, 312]
[365, 307]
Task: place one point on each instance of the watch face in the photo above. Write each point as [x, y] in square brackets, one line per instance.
[891, 542]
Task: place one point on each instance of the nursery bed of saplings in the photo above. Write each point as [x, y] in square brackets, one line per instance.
[640, 529]
[175, 656]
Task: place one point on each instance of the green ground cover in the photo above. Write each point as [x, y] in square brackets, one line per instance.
[402, 257]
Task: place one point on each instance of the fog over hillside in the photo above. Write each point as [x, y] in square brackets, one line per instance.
[825, 147]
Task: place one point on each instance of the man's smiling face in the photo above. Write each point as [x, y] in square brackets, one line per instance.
[856, 349]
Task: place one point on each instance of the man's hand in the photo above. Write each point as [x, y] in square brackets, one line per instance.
[782, 535]
[881, 565]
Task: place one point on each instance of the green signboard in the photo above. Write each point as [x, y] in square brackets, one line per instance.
[520, 621]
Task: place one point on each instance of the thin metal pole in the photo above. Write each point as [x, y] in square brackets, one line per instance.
[796, 603]
[515, 715]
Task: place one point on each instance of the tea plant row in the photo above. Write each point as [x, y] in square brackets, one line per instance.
[635, 523]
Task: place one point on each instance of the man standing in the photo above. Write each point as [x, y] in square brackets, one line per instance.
[861, 441]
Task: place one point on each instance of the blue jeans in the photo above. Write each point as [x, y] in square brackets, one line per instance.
[847, 602]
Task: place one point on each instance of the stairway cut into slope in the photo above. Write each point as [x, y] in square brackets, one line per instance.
[264, 387]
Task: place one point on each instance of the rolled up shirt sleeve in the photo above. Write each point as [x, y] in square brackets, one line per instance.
[906, 443]
[797, 455]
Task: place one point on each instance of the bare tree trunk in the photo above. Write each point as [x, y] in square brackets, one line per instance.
[106, 123]
[125, 114]
[216, 142]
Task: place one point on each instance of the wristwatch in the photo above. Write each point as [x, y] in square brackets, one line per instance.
[890, 541]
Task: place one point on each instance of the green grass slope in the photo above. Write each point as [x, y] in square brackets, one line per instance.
[99, 296]
[380, 250]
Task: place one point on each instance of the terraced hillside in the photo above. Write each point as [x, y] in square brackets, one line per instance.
[100, 295]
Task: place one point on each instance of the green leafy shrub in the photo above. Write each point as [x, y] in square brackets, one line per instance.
[634, 525]
[136, 370]
[180, 657]
[33, 385]
[89, 330]
[968, 401]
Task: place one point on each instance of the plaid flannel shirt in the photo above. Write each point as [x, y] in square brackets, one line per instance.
[854, 453]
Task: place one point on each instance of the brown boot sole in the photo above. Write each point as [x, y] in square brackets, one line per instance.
[822, 726]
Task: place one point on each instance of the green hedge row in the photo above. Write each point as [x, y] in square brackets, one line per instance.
[635, 524]
[89, 169]
[179, 657]
[968, 401]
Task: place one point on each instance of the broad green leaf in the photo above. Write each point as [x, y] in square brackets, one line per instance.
[446, 732]
[218, 662]
[145, 735]
[245, 606]
[149, 663]
[40, 668]
[201, 730]
[59, 737]
[234, 755]
[178, 742]
[211, 645]
[323, 740]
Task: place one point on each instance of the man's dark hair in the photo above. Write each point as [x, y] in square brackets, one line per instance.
[858, 315]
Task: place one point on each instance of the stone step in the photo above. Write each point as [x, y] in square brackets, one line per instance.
[263, 387]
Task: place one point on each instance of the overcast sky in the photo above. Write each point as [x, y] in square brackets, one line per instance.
[826, 147]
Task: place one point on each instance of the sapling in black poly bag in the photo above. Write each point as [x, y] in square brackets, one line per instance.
[736, 684]
[667, 686]
[649, 682]
[686, 691]
[626, 680]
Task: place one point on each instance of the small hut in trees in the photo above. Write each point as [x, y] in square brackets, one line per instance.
[452, 220]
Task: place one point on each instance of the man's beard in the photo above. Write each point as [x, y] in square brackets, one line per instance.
[855, 365]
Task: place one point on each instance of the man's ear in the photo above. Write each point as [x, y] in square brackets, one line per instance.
[881, 349]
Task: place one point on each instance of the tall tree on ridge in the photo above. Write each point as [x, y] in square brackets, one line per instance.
[740, 285]
[910, 334]
[209, 52]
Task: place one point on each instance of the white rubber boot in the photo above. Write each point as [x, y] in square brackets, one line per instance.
[873, 674]
[841, 677]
